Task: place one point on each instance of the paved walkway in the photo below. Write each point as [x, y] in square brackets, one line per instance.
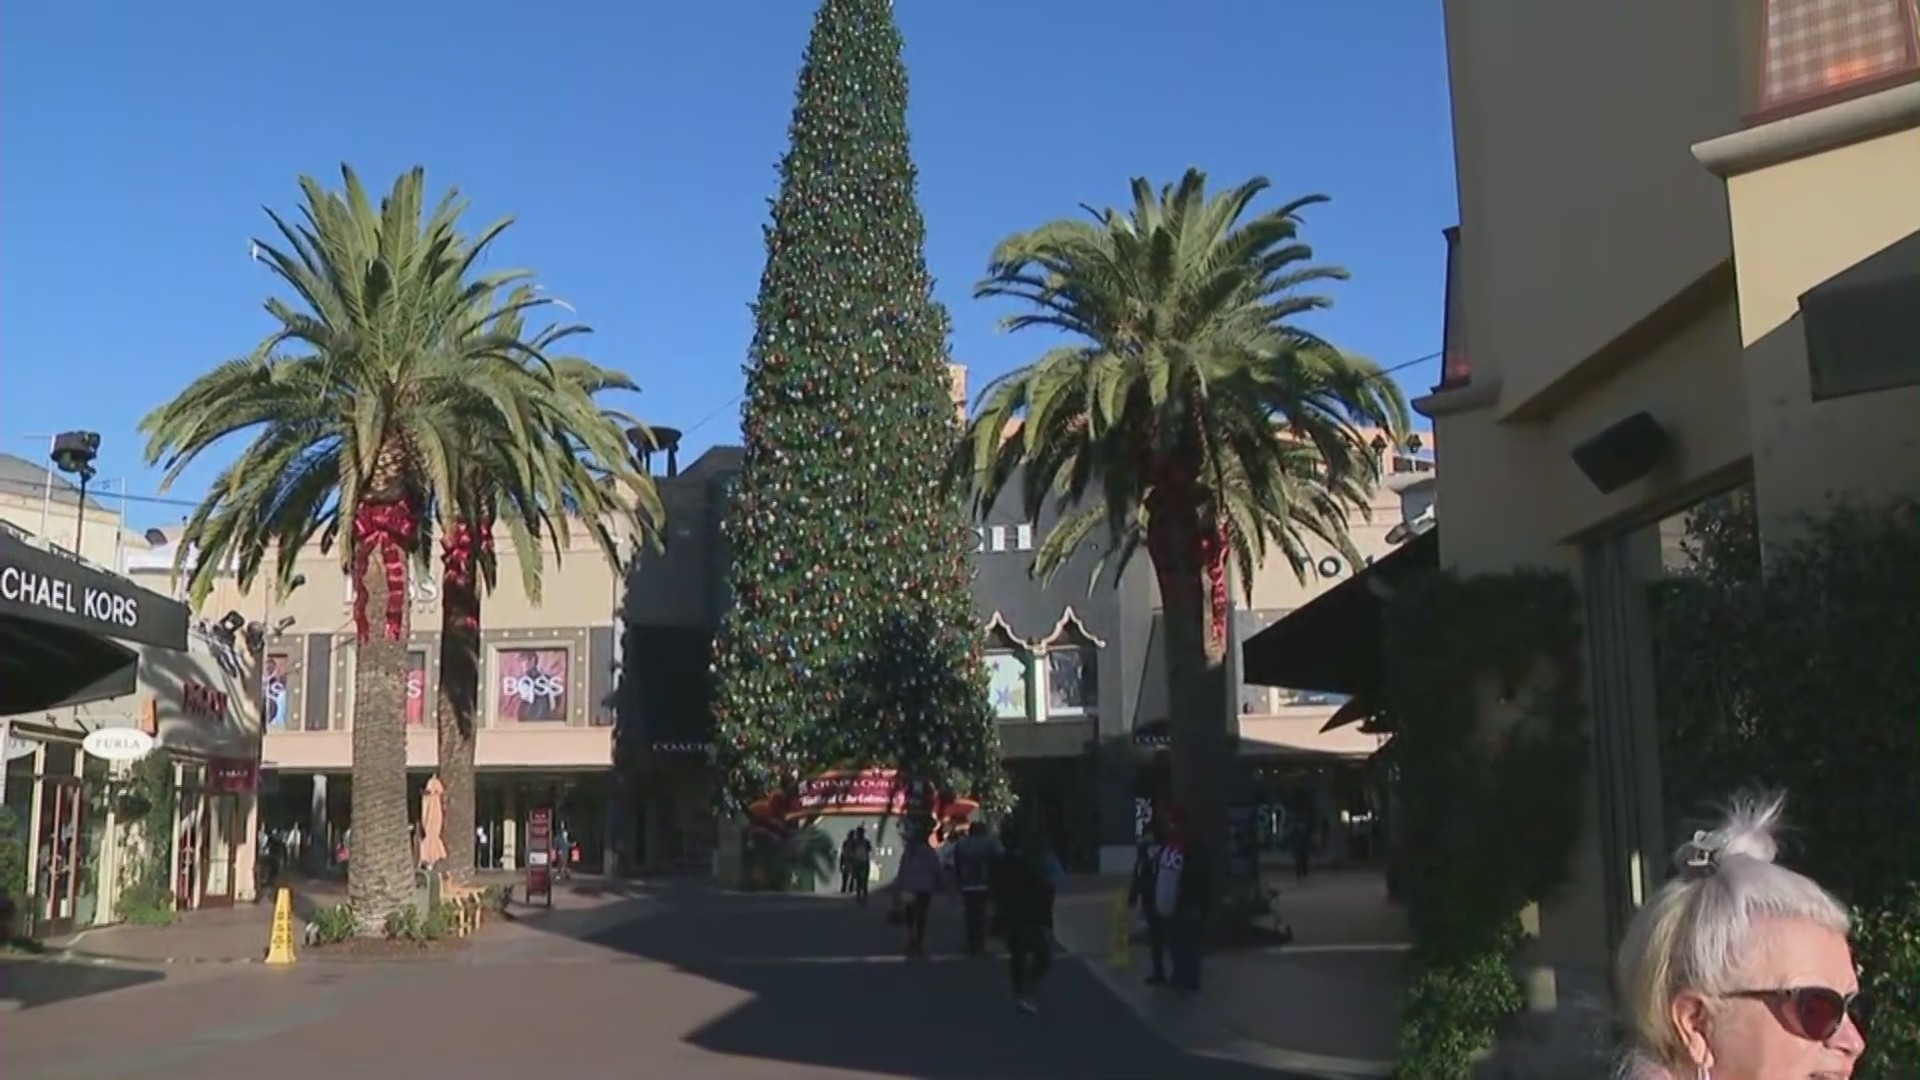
[678, 982]
[1327, 1005]
[239, 934]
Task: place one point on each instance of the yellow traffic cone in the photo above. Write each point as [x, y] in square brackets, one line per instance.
[280, 945]
[1121, 958]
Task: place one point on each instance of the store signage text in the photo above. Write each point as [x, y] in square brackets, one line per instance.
[56, 594]
[198, 699]
[994, 539]
[118, 744]
[420, 591]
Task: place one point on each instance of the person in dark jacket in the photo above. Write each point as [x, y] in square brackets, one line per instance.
[1023, 895]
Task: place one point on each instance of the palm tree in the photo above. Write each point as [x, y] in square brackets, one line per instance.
[1188, 416]
[357, 407]
[582, 434]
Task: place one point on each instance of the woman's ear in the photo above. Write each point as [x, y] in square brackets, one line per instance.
[1691, 1020]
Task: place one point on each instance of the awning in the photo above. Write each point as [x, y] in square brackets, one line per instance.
[45, 666]
[1334, 642]
[40, 586]
[1863, 324]
[59, 619]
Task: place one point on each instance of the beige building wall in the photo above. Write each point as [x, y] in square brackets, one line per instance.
[58, 522]
[1275, 719]
[1798, 219]
[1602, 271]
[573, 616]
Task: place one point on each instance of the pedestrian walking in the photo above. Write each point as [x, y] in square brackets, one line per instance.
[973, 861]
[1303, 848]
[914, 886]
[1144, 894]
[846, 864]
[1023, 896]
[858, 853]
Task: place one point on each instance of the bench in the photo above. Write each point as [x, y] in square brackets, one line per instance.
[468, 903]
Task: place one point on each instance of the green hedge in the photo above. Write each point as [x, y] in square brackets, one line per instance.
[1469, 863]
[1803, 676]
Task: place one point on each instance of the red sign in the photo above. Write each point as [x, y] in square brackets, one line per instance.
[868, 791]
[539, 854]
[232, 774]
[855, 792]
[198, 699]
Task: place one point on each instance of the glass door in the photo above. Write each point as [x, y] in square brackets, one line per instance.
[62, 850]
[220, 821]
[186, 888]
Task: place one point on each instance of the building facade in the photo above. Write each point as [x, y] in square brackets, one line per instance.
[1075, 669]
[1630, 330]
[546, 716]
[133, 781]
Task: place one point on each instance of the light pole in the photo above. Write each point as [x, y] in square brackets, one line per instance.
[73, 453]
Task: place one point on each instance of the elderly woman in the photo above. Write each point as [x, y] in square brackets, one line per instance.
[1739, 968]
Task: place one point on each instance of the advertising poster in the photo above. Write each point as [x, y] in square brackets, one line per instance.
[416, 689]
[533, 685]
[274, 682]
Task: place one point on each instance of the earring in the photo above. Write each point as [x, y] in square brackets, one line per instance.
[1705, 1073]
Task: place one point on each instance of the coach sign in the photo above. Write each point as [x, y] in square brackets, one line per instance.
[41, 586]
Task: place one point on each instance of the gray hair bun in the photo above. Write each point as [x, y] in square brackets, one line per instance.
[1746, 831]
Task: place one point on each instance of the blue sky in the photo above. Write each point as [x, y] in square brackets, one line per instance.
[636, 146]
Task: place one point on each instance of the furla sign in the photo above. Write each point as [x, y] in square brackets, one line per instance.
[118, 744]
[996, 539]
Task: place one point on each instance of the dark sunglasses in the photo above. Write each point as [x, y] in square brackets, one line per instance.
[1811, 1012]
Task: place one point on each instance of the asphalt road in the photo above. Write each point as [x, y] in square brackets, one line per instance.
[683, 984]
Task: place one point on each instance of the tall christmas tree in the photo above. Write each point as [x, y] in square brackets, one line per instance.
[852, 640]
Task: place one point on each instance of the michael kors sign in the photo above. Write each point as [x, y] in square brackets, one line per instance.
[995, 539]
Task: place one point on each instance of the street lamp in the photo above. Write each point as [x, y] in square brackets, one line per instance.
[73, 453]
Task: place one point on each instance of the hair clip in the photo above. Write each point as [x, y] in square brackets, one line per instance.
[1703, 854]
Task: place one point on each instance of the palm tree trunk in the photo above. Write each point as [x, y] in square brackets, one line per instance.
[1189, 561]
[380, 868]
[457, 712]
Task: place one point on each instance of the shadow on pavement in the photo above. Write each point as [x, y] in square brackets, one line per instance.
[828, 988]
[33, 983]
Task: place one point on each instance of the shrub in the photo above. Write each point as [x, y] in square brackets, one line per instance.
[13, 854]
[332, 925]
[1470, 864]
[1799, 674]
[144, 904]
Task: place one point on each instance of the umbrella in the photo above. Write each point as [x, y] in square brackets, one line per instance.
[433, 823]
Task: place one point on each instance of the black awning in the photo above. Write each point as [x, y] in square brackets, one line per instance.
[1333, 643]
[1863, 324]
[40, 586]
[47, 666]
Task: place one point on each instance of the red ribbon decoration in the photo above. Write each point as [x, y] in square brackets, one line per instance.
[459, 557]
[390, 528]
[1213, 562]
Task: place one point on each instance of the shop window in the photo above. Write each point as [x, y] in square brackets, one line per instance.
[1073, 678]
[1009, 684]
[530, 684]
[276, 680]
[1819, 51]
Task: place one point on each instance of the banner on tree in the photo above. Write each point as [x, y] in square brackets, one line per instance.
[858, 792]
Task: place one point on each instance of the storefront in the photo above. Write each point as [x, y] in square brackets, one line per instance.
[72, 639]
